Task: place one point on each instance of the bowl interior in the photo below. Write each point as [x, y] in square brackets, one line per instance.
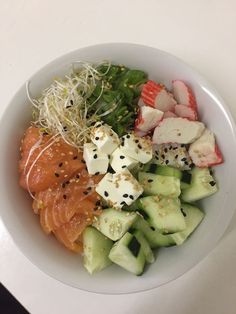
[44, 251]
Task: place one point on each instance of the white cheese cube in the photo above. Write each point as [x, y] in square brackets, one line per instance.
[136, 147]
[107, 189]
[119, 161]
[96, 161]
[104, 138]
[127, 186]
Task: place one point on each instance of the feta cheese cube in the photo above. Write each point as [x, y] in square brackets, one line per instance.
[107, 189]
[119, 161]
[127, 186]
[104, 138]
[136, 147]
[96, 161]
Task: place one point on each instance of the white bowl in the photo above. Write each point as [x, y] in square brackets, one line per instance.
[44, 251]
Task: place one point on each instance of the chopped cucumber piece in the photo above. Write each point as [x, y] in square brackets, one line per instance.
[193, 217]
[154, 237]
[169, 171]
[121, 255]
[163, 213]
[162, 170]
[154, 184]
[114, 223]
[96, 250]
[202, 185]
[145, 246]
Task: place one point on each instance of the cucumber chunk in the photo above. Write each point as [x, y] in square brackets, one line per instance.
[145, 246]
[121, 255]
[162, 170]
[154, 237]
[154, 184]
[202, 185]
[96, 250]
[164, 214]
[114, 223]
[193, 217]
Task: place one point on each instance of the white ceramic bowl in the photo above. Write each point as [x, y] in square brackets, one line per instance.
[44, 251]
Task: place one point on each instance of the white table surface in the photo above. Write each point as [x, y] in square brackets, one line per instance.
[32, 33]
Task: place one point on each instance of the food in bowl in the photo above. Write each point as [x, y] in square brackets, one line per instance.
[114, 163]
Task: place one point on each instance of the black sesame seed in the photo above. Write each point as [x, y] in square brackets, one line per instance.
[45, 133]
[176, 156]
[85, 193]
[65, 128]
[128, 136]
[106, 193]
[82, 161]
[165, 150]
[71, 101]
[122, 157]
[211, 172]
[182, 145]
[212, 183]
[139, 146]
[77, 176]
[125, 195]
[98, 125]
[122, 144]
[64, 196]
[89, 188]
[150, 180]
[109, 156]
[75, 157]
[153, 228]
[162, 156]
[67, 182]
[95, 156]
[96, 138]
[174, 148]
[186, 163]
[95, 149]
[191, 165]
[131, 197]
[167, 161]
[68, 106]
[60, 164]
[122, 203]
[98, 203]
[96, 173]
[124, 166]
[57, 174]
[184, 159]
[137, 141]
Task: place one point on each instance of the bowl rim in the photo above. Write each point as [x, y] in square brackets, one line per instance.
[213, 92]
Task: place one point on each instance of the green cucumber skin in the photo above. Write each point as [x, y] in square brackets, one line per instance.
[145, 247]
